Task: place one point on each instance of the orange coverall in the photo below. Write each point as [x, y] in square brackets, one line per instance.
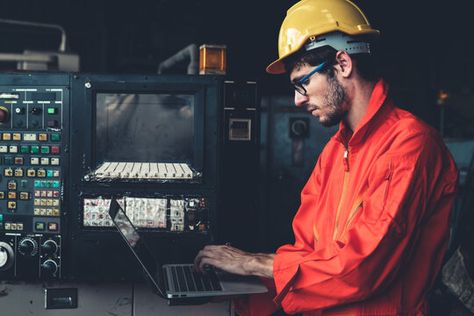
[373, 225]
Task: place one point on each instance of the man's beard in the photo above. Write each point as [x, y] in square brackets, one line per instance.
[333, 101]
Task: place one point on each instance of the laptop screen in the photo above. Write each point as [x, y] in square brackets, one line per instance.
[135, 243]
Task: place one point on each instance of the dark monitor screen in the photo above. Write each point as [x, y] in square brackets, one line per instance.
[145, 127]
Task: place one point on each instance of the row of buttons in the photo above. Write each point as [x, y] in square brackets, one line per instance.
[46, 193]
[46, 202]
[42, 137]
[40, 173]
[34, 161]
[47, 184]
[41, 226]
[27, 149]
[46, 211]
[11, 195]
[11, 226]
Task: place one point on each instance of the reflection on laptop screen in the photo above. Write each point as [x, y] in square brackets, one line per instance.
[126, 229]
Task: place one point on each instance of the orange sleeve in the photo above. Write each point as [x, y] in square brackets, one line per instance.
[373, 248]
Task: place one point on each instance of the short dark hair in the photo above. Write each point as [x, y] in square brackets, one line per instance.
[365, 62]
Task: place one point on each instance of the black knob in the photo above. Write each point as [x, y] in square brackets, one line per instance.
[49, 267]
[28, 247]
[49, 247]
[35, 110]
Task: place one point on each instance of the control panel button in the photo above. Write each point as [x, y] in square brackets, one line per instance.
[34, 161]
[6, 136]
[11, 205]
[2, 196]
[11, 185]
[13, 149]
[18, 172]
[42, 137]
[44, 161]
[24, 149]
[34, 150]
[12, 195]
[52, 227]
[52, 111]
[3, 149]
[40, 226]
[55, 161]
[24, 195]
[20, 111]
[16, 136]
[55, 150]
[31, 173]
[55, 137]
[18, 160]
[29, 137]
[41, 173]
[8, 172]
[45, 149]
[36, 110]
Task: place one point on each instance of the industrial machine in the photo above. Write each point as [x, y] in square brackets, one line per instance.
[70, 142]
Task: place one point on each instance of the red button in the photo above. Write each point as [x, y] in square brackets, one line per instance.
[55, 150]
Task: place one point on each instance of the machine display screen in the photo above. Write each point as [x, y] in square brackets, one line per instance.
[145, 127]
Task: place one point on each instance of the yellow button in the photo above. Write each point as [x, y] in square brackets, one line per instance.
[7, 136]
[19, 172]
[43, 137]
[16, 136]
[12, 195]
[11, 205]
[31, 173]
[8, 172]
[24, 195]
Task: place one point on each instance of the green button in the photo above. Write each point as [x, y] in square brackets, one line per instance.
[38, 184]
[55, 184]
[45, 149]
[34, 149]
[1, 217]
[51, 110]
[25, 149]
[39, 226]
[55, 137]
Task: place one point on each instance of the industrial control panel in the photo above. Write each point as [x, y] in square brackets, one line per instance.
[34, 118]
[71, 142]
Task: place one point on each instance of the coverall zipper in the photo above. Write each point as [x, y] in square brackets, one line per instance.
[345, 186]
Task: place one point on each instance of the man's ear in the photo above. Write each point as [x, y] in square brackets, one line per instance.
[344, 64]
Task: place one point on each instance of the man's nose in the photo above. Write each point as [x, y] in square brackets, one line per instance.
[300, 99]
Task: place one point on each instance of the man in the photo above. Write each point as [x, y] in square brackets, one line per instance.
[372, 227]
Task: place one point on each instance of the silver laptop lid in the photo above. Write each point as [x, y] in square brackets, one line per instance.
[137, 245]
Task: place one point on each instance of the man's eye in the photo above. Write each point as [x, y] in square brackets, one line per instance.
[305, 83]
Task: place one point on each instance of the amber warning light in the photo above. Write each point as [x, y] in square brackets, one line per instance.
[212, 59]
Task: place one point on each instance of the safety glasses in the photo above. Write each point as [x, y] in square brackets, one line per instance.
[299, 84]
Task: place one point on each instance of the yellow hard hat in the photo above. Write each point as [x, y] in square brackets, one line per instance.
[319, 23]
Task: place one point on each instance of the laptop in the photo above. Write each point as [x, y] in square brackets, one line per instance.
[178, 281]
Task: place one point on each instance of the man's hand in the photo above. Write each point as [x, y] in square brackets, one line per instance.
[235, 261]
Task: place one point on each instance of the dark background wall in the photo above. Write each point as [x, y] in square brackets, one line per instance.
[425, 44]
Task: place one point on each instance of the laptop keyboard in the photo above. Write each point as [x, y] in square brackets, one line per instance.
[187, 280]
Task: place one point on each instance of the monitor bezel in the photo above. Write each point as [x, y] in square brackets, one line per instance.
[198, 91]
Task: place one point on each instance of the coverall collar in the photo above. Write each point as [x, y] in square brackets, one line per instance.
[376, 101]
